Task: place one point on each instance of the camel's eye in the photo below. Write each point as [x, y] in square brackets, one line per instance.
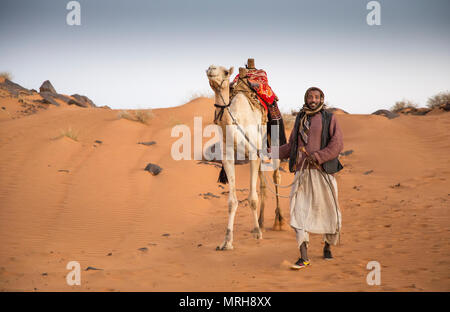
[226, 73]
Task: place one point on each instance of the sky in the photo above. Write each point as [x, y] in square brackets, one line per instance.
[152, 54]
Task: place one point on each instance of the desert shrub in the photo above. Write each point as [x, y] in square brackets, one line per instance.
[399, 105]
[439, 99]
[6, 75]
[143, 116]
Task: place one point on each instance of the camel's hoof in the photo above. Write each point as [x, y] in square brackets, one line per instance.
[225, 246]
[257, 233]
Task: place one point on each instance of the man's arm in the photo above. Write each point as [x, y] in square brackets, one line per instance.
[335, 145]
[285, 149]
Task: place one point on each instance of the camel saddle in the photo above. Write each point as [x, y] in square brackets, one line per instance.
[253, 83]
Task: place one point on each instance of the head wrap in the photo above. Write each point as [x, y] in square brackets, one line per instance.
[306, 113]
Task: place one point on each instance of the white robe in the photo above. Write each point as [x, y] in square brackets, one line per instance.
[313, 208]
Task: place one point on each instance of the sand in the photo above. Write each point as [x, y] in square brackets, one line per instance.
[67, 200]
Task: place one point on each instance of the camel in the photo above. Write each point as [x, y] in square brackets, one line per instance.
[247, 118]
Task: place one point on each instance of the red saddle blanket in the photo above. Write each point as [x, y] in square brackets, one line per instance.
[257, 79]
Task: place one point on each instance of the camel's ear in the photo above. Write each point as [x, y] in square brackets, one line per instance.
[229, 71]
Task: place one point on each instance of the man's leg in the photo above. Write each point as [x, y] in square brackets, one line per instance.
[302, 242]
[329, 239]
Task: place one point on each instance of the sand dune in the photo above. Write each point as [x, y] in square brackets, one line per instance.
[64, 200]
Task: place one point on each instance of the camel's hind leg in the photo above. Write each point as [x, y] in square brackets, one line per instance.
[279, 220]
[253, 196]
[262, 199]
[232, 205]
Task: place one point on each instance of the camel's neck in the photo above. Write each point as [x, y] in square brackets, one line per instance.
[222, 97]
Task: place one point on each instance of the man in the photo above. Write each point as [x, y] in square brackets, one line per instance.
[313, 150]
[258, 82]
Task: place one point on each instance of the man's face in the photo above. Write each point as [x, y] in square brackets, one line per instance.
[313, 99]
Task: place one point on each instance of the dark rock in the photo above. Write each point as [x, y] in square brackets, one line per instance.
[61, 97]
[109, 254]
[414, 111]
[445, 106]
[92, 268]
[346, 153]
[386, 113]
[153, 169]
[13, 88]
[205, 195]
[47, 87]
[77, 103]
[84, 100]
[166, 234]
[143, 249]
[44, 274]
[368, 172]
[98, 141]
[147, 143]
[47, 98]
[3, 107]
[421, 111]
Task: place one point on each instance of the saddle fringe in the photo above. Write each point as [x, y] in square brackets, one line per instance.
[222, 176]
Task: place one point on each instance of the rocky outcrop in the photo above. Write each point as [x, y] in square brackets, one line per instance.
[13, 88]
[47, 87]
[385, 113]
[81, 100]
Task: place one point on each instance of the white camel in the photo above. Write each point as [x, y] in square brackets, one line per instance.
[247, 118]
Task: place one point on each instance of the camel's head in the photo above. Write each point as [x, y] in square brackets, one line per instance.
[219, 77]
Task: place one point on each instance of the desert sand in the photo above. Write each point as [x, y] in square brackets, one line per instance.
[67, 200]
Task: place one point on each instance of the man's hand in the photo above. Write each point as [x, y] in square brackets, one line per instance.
[312, 160]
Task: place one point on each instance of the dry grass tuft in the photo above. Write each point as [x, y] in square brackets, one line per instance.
[69, 132]
[141, 115]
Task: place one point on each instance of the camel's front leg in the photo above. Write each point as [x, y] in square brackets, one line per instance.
[262, 199]
[228, 165]
[253, 196]
[279, 220]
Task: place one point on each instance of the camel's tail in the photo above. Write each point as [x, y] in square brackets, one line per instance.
[222, 176]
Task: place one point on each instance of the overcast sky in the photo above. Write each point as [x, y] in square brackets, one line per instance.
[149, 54]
